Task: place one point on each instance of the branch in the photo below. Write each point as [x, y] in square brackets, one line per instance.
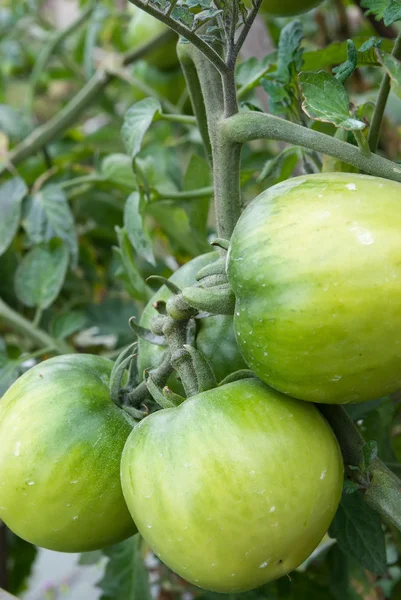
[246, 127]
[383, 492]
[186, 33]
[245, 30]
[381, 101]
[26, 328]
[91, 91]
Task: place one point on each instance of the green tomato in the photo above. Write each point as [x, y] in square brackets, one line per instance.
[61, 444]
[285, 8]
[215, 338]
[142, 29]
[235, 487]
[315, 264]
[170, 85]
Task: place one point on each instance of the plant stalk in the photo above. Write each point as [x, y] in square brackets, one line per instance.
[246, 127]
[381, 102]
[26, 328]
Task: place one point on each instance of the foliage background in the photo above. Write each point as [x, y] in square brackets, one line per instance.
[69, 203]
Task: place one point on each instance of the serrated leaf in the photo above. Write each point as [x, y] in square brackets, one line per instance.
[387, 10]
[289, 50]
[325, 99]
[41, 273]
[183, 14]
[137, 121]
[12, 192]
[345, 70]
[125, 577]
[393, 68]
[336, 53]
[134, 224]
[118, 169]
[358, 531]
[48, 215]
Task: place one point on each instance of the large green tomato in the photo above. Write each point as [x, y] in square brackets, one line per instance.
[235, 487]
[142, 29]
[286, 8]
[215, 338]
[315, 264]
[61, 444]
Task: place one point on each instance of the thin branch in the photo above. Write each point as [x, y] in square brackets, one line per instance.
[46, 133]
[189, 195]
[381, 102]
[17, 322]
[245, 30]
[186, 33]
[246, 127]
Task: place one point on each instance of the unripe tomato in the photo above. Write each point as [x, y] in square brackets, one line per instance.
[235, 487]
[286, 8]
[215, 338]
[315, 264]
[61, 443]
[142, 29]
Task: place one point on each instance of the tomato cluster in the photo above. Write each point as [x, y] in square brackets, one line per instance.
[237, 485]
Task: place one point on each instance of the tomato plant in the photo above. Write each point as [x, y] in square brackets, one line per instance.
[62, 437]
[269, 134]
[214, 485]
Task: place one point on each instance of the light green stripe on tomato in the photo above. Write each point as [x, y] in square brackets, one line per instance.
[61, 444]
[235, 487]
[315, 264]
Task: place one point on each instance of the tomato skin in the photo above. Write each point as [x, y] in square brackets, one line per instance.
[142, 29]
[315, 264]
[235, 487]
[61, 444]
[215, 338]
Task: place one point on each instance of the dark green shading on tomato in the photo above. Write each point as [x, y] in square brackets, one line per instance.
[142, 29]
[235, 487]
[315, 264]
[61, 444]
[215, 339]
[286, 8]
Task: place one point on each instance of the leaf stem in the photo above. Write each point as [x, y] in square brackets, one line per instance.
[246, 127]
[189, 195]
[381, 102]
[26, 328]
[183, 119]
[90, 93]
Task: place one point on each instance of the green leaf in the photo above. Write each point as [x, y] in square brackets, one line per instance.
[325, 99]
[118, 169]
[336, 53]
[90, 558]
[345, 70]
[393, 68]
[137, 121]
[359, 533]
[280, 167]
[130, 273]
[134, 212]
[387, 10]
[41, 273]
[9, 372]
[65, 324]
[125, 577]
[14, 122]
[48, 215]
[20, 558]
[12, 192]
[289, 50]
[370, 452]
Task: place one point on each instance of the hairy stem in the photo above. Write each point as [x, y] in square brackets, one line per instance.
[245, 127]
[17, 322]
[90, 93]
[383, 491]
[186, 33]
[381, 102]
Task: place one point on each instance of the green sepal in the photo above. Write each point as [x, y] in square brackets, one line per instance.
[216, 268]
[157, 393]
[124, 354]
[219, 300]
[146, 334]
[221, 243]
[179, 309]
[133, 374]
[135, 413]
[204, 372]
[157, 323]
[237, 376]
[116, 378]
[169, 284]
[176, 399]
